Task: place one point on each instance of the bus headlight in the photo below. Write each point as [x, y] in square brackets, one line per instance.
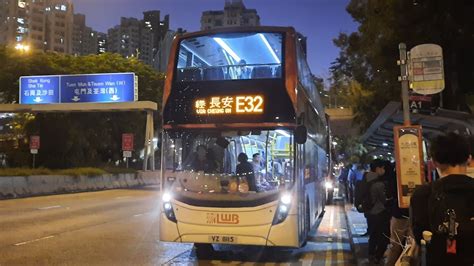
[166, 197]
[167, 207]
[283, 209]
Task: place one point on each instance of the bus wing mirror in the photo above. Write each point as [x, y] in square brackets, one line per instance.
[301, 134]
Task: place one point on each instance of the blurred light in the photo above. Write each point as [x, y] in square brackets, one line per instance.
[22, 47]
[385, 144]
[167, 206]
[328, 185]
[155, 139]
[283, 209]
[286, 199]
[334, 143]
[166, 197]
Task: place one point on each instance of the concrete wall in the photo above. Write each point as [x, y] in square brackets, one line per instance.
[25, 186]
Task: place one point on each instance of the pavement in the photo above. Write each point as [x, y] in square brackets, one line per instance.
[358, 226]
[121, 227]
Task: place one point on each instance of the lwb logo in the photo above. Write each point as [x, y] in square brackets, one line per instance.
[222, 218]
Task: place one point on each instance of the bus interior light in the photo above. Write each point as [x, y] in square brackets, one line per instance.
[282, 132]
[227, 49]
[265, 41]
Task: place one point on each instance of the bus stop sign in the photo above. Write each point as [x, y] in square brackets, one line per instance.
[426, 71]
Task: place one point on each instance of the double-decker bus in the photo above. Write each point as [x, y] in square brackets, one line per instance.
[245, 140]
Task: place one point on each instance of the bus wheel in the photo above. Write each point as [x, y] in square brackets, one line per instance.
[203, 250]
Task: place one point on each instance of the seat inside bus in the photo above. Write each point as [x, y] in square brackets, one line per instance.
[262, 72]
[214, 73]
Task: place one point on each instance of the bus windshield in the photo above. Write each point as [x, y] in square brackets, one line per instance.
[226, 56]
[227, 166]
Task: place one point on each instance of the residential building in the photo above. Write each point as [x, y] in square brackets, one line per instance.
[101, 43]
[39, 24]
[234, 14]
[140, 38]
[84, 39]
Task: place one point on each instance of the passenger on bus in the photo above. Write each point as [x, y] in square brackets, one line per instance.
[262, 183]
[245, 169]
[243, 72]
[202, 162]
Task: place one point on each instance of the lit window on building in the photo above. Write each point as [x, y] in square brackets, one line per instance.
[63, 8]
[20, 20]
[21, 4]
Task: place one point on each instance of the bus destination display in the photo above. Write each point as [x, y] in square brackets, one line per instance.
[240, 104]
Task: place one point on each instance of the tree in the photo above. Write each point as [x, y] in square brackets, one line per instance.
[369, 55]
[79, 139]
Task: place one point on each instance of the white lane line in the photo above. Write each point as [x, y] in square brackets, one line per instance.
[136, 215]
[123, 197]
[50, 207]
[34, 240]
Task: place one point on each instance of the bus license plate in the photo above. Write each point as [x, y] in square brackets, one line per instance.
[223, 239]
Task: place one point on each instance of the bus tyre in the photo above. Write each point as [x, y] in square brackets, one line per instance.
[203, 250]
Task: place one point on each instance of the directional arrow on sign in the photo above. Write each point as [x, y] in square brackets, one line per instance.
[76, 99]
[38, 100]
[115, 98]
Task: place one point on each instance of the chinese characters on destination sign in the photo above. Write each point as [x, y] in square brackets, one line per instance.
[241, 104]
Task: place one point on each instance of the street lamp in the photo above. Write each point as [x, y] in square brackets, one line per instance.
[22, 47]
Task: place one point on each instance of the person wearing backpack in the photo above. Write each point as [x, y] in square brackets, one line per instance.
[371, 200]
[446, 206]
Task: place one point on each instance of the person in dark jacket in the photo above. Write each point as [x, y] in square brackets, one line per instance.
[245, 169]
[378, 216]
[399, 223]
[450, 154]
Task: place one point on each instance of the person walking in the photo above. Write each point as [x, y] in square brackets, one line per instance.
[446, 207]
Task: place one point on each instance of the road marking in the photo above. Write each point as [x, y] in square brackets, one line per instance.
[136, 215]
[34, 240]
[123, 197]
[50, 207]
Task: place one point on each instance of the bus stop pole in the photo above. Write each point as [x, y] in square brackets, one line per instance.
[149, 145]
[404, 80]
[151, 142]
[146, 146]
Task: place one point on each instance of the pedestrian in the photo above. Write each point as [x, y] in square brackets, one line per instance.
[399, 222]
[446, 207]
[377, 214]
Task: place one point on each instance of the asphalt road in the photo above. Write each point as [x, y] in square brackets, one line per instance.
[120, 227]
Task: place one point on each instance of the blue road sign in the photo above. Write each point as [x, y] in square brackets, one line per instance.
[39, 89]
[102, 88]
[97, 88]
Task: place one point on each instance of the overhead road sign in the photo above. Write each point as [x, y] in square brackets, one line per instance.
[89, 88]
[426, 70]
[39, 89]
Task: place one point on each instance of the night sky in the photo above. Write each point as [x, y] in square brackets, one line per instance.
[319, 20]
